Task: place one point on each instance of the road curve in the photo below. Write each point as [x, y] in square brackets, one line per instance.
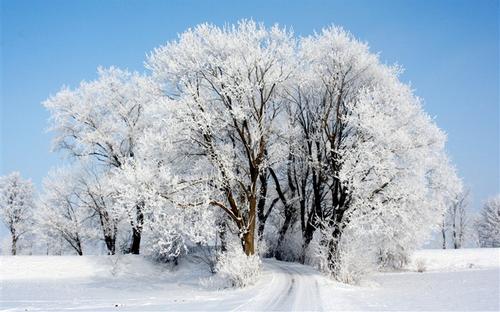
[285, 286]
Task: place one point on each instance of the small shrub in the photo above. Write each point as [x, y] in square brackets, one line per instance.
[393, 258]
[348, 262]
[207, 255]
[238, 269]
[421, 265]
[351, 266]
[115, 264]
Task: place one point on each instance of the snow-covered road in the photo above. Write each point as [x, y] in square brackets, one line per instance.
[285, 287]
[300, 291]
[463, 280]
[84, 284]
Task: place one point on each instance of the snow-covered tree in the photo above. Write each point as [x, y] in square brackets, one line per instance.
[76, 208]
[398, 177]
[460, 224]
[96, 193]
[228, 84]
[62, 213]
[177, 213]
[371, 161]
[488, 224]
[16, 206]
[103, 120]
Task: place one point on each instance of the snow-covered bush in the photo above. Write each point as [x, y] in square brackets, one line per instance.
[421, 265]
[394, 257]
[238, 269]
[347, 261]
[351, 264]
[114, 262]
[208, 255]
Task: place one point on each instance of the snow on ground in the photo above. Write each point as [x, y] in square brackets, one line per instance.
[457, 260]
[465, 279]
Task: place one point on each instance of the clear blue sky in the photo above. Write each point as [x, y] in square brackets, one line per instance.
[450, 50]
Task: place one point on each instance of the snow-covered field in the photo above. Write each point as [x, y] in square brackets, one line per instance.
[465, 279]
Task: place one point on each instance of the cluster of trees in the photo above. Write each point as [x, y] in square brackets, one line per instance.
[308, 150]
[456, 226]
[488, 224]
[459, 227]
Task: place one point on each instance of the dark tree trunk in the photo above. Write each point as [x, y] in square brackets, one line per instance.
[137, 230]
[288, 206]
[110, 241]
[443, 233]
[261, 215]
[313, 217]
[309, 232]
[455, 238]
[14, 237]
[109, 232]
[222, 236]
[316, 213]
[136, 241]
[79, 248]
[78, 245]
[281, 236]
[14, 245]
[332, 249]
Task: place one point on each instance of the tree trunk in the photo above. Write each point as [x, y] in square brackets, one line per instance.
[443, 233]
[248, 243]
[110, 244]
[309, 231]
[110, 240]
[249, 235]
[332, 250]
[79, 248]
[14, 245]
[282, 233]
[136, 242]
[455, 239]
[316, 211]
[460, 238]
[137, 231]
[288, 206]
[222, 236]
[262, 204]
[108, 230]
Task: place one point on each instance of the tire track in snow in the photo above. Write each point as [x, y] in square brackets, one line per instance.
[293, 287]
